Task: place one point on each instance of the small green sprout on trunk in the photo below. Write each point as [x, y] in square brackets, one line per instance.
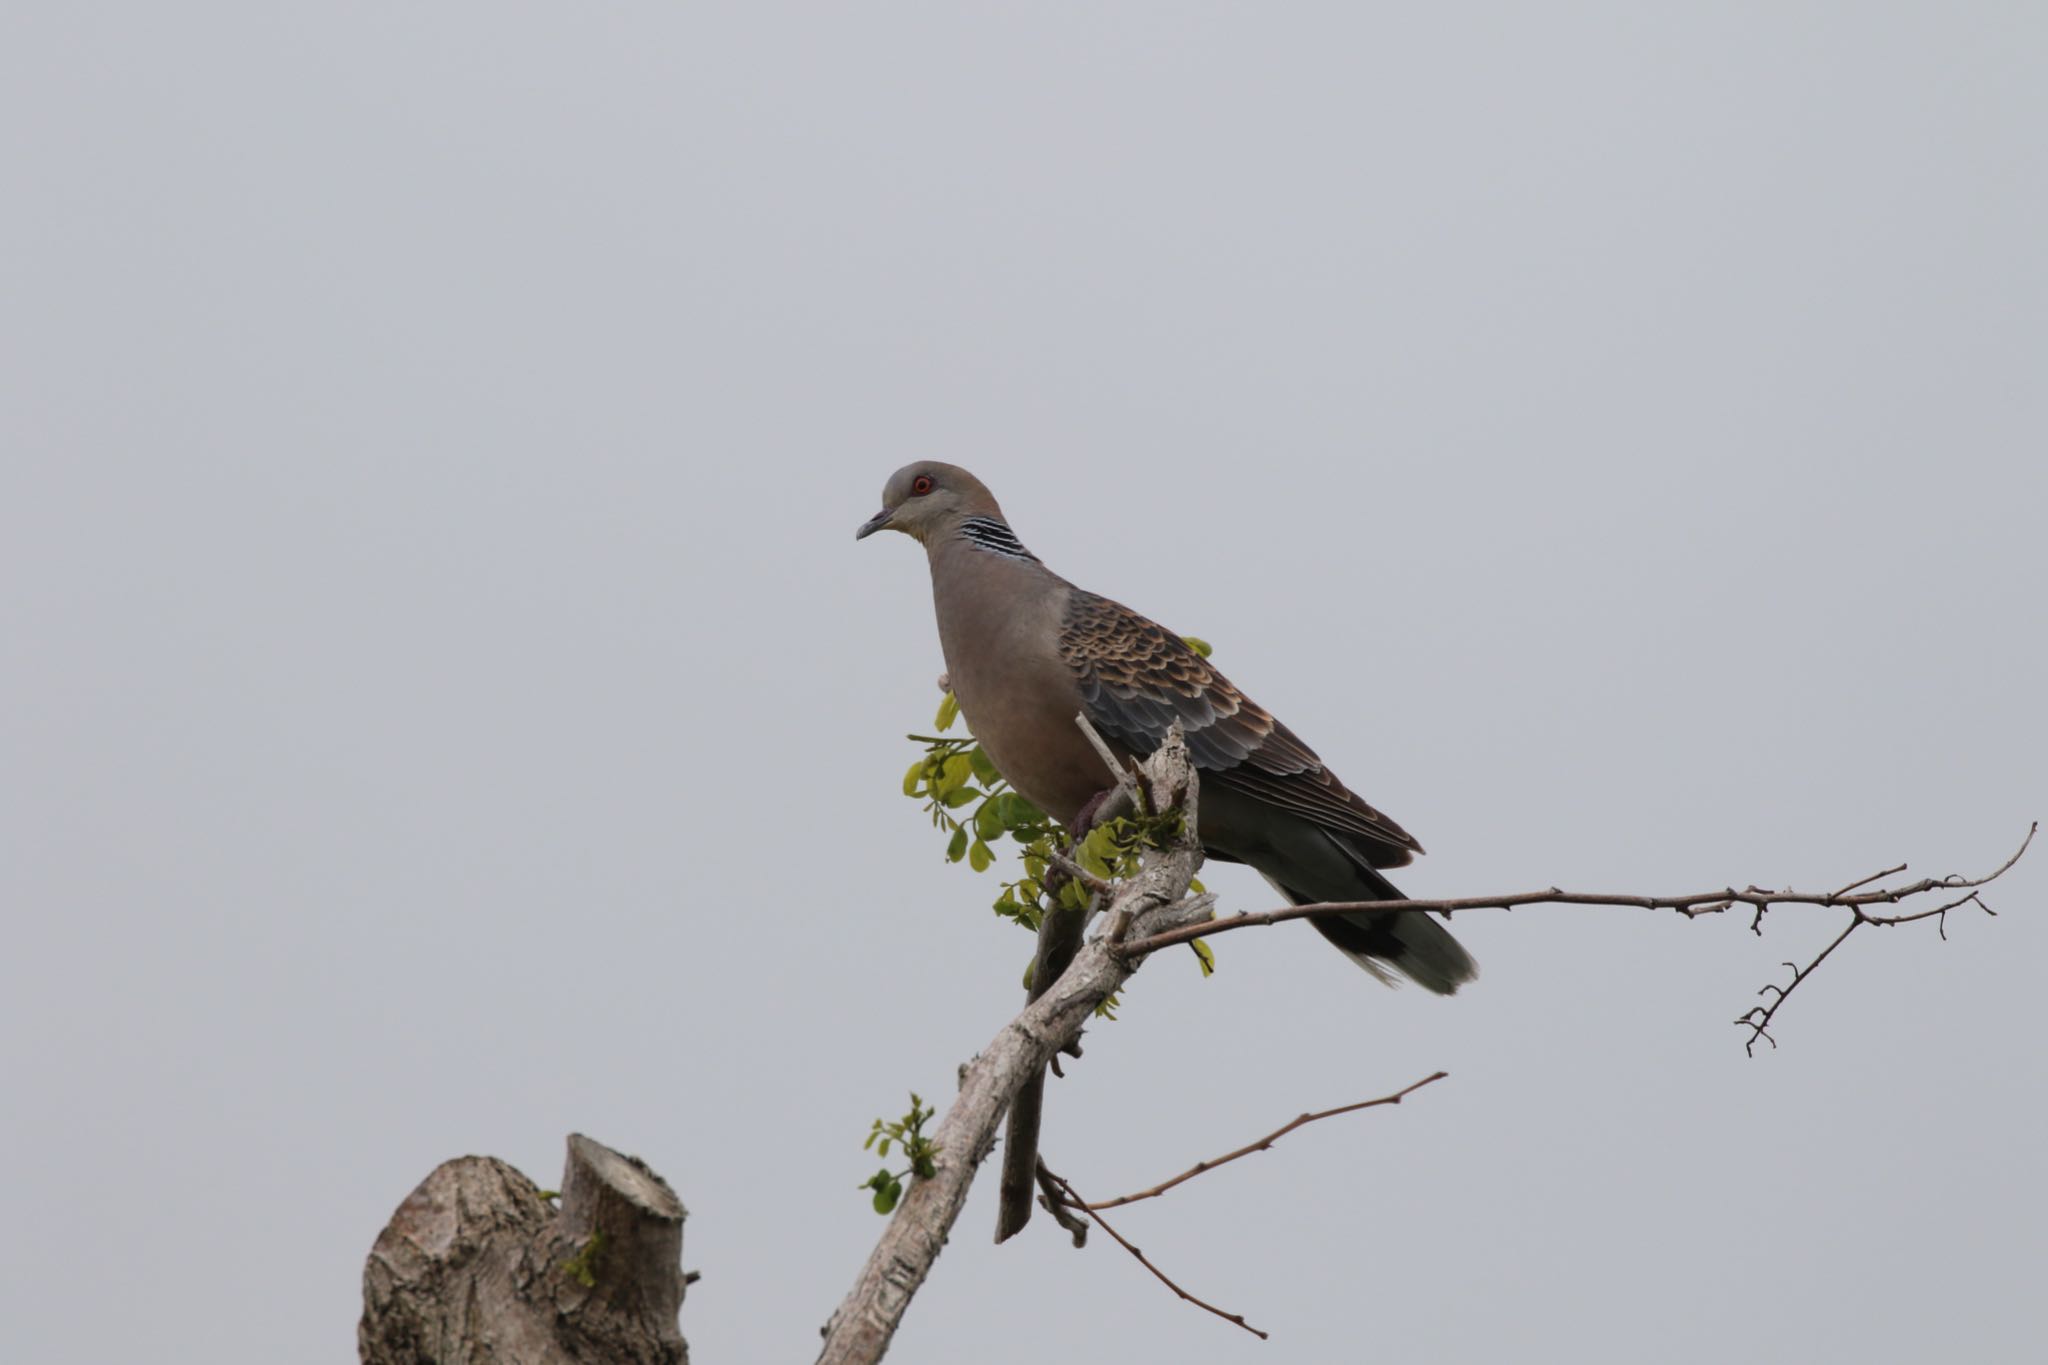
[582, 1267]
[907, 1133]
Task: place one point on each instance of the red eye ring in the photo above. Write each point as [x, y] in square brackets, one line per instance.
[921, 485]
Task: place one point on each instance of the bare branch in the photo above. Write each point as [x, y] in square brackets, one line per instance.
[1096, 885]
[1059, 935]
[1117, 770]
[1075, 1201]
[1698, 903]
[1756, 1018]
[1878, 877]
[1263, 1143]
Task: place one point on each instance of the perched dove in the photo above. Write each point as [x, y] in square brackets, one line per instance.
[1026, 651]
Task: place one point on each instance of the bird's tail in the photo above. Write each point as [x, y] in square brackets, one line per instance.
[1410, 942]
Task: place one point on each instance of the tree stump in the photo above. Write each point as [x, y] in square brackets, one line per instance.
[478, 1268]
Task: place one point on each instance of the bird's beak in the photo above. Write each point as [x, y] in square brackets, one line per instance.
[874, 523]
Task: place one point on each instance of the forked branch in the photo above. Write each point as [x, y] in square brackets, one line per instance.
[860, 1332]
[1691, 906]
[1861, 904]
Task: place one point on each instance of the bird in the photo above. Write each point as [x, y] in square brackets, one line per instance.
[1026, 651]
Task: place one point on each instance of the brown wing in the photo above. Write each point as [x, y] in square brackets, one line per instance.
[1137, 678]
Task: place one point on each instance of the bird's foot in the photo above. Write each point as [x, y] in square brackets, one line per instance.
[1084, 818]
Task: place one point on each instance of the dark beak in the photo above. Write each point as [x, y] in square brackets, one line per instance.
[874, 523]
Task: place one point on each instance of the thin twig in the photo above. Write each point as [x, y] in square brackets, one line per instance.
[1757, 1018]
[1096, 884]
[1873, 877]
[1102, 749]
[1074, 1200]
[1263, 1143]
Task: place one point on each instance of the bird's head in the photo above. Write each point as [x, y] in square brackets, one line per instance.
[927, 498]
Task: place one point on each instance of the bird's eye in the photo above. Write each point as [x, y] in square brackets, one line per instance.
[921, 485]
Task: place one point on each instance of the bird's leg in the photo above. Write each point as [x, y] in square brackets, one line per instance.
[1084, 818]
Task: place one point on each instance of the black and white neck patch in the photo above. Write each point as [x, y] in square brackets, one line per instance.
[986, 533]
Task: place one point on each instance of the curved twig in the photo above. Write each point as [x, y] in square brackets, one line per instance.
[1075, 1201]
[1300, 1121]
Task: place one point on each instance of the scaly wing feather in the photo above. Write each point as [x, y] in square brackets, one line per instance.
[1137, 678]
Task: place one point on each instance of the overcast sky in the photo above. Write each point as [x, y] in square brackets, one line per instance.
[443, 706]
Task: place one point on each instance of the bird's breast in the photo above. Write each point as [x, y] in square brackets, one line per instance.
[1016, 693]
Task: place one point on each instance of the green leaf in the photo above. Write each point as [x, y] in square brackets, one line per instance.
[949, 710]
[957, 849]
[961, 796]
[978, 856]
[984, 766]
[988, 820]
[1098, 851]
[1017, 813]
[1201, 647]
[1204, 955]
[913, 781]
[886, 1196]
[952, 773]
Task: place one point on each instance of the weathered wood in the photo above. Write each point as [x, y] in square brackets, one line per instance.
[477, 1268]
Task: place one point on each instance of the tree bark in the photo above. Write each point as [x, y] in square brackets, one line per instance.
[478, 1268]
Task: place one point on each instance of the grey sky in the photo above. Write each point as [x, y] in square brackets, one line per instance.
[443, 706]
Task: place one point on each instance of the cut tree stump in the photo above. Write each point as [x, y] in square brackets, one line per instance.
[477, 1268]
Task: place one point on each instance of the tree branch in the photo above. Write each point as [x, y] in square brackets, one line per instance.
[860, 1331]
[1693, 905]
[1059, 935]
[1300, 1121]
[1074, 1201]
[1757, 1018]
